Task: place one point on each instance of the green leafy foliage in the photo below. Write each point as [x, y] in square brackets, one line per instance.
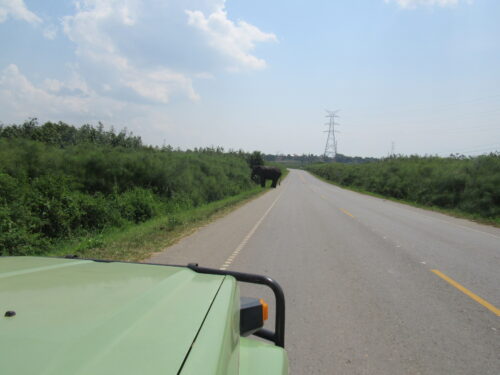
[471, 185]
[255, 158]
[62, 134]
[300, 161]
[58, 182]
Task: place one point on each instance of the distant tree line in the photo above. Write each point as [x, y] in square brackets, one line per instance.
[64, 135]
[305, 159]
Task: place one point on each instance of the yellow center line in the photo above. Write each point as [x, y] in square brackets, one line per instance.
[466, 291]
[346, 212]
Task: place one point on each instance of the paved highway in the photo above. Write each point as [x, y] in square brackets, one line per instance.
[372, 286]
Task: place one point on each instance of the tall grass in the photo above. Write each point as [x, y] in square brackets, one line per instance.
[470, 185]
[59, 182]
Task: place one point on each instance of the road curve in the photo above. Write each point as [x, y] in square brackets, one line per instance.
[372, 286]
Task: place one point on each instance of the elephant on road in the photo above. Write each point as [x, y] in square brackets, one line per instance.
[266, 173]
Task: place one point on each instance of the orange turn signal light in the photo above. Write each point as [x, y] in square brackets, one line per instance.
[265, 309]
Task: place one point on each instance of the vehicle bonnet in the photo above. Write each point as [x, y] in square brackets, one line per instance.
[81, 316]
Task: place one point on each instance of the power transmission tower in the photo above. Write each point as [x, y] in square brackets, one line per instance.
[331, 141]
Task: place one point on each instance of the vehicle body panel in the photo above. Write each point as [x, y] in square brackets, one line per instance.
[257, 357]
[219, 349]
[216, 349]
[78, 316]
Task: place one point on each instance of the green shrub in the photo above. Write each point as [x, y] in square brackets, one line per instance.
[58, 181]
[469, 184]
[137, 205]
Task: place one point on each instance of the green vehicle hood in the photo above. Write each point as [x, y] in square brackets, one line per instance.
[85, 317]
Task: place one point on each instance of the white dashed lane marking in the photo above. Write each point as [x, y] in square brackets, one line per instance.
[230, 259]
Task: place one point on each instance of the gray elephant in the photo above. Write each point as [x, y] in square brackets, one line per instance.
[266, 173]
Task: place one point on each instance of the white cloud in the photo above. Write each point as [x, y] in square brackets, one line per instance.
[411, 4]
[103, 30]
[86, 28]
[158, 84]
[18, 92]
[18, 10]
[204, 75]
[74, 102]
[21, 99]
[127, 59]
[50, 32]
[75, 85]
[89, 30]
[235, 40]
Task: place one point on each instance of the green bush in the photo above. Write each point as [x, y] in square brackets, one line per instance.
[255, 158]
[469, 184]
[137, 205]
[58, 182]
[98, 212]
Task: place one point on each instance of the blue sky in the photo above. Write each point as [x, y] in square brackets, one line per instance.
[422, 74]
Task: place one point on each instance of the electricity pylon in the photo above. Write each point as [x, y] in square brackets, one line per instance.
[331, 141]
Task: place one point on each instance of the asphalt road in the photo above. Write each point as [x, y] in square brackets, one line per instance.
[372, 286]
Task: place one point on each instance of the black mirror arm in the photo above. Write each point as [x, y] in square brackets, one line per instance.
[278, 336]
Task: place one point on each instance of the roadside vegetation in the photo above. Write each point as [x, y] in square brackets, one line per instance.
[467, 185]
[302, 161]
[136, 242]
[74, 190]
[306, 159]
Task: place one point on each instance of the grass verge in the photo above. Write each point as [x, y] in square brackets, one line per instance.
[450, 212]
[138, 242]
